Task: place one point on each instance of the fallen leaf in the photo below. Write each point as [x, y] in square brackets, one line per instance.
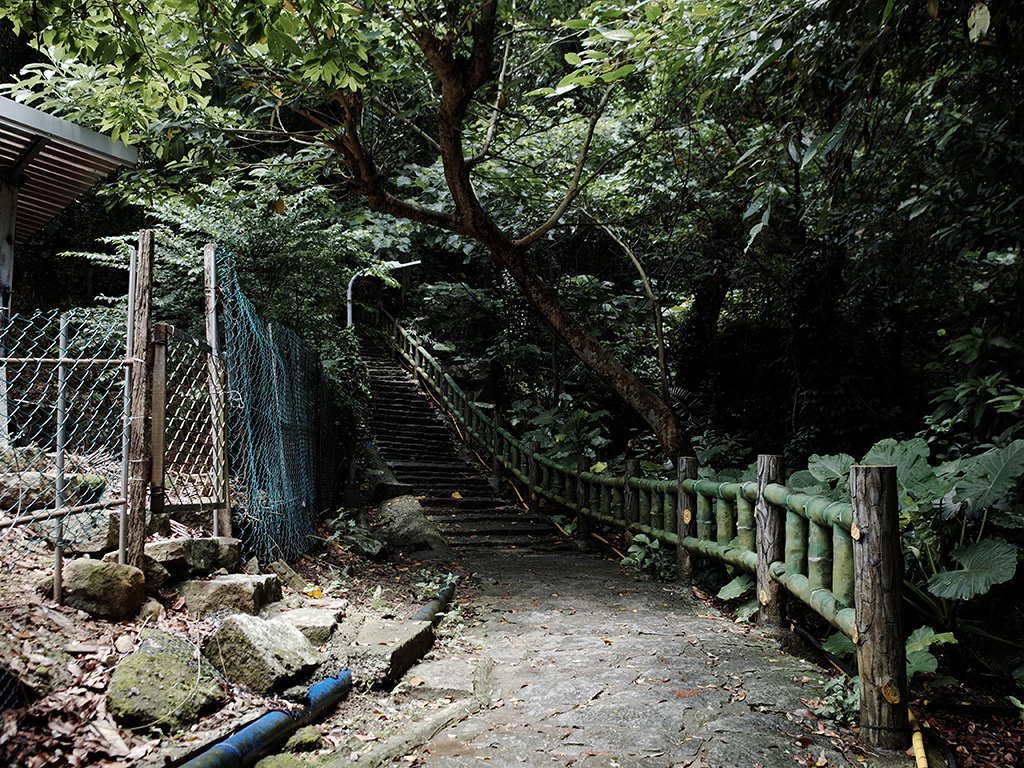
[416, 681]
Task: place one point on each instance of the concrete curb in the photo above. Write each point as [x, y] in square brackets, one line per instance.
[402, 744]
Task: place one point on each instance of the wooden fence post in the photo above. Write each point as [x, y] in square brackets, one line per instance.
[218, 403]
[582, 500]
[630, 497]
[532, 472]
[496, 443]
[686, 519]
[878, 600]
[771, 544]
[138, 450]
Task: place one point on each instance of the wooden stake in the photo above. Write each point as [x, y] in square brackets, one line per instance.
[686, 519]
[582, 500]
[8, 215]
[217, 377]
[631, 498]
[771, 544]
[138, 451]
[532, 472]
[881, 634]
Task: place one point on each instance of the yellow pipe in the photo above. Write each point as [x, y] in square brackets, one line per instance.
[917, 741]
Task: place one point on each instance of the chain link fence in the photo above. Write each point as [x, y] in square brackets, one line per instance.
[62, 414]
[62, 419]
[270, 415]
[283, 427]
[189, 442]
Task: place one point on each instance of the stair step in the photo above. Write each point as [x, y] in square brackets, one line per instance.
[419, 444]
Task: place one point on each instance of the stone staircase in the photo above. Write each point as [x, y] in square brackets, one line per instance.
[417, 441]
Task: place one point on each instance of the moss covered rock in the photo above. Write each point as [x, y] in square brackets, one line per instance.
[166, 684]
[106, 590]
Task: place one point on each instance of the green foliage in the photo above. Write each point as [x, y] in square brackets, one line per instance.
[736, 588]
[840, 700]
[431, 583]
[739, 587]
[840, 645]
[647, 556]
[982, 564]
[563, 432]
[947, 515]
[919, 656]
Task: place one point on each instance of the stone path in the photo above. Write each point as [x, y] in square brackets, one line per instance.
[585, 665]
[579, 662]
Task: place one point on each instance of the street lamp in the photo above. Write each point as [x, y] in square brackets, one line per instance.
[369, 270]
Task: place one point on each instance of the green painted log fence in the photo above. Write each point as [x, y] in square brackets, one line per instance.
[796, 544]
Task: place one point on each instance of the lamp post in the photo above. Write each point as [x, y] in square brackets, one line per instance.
[389, 264]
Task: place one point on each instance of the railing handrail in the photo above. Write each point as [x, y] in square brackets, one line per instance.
[815, 562]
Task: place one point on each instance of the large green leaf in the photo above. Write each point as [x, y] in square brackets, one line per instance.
[736, 588]
[914, 476]
[830, 469]
[985, 563]
[992, 476]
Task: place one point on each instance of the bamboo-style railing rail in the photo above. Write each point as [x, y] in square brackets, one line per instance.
[796, 544]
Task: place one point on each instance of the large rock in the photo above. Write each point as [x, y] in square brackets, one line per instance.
[105, 590]
[261, 655]
[235, 592]
[405, 526]
[186, 558]
[156, 575]
[378, 651]
[165, 684]
[37, 490]
[86, 533]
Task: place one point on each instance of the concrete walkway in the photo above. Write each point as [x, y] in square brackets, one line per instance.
[579, 663]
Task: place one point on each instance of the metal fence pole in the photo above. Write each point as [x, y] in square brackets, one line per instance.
[158, 421]
[62, 412]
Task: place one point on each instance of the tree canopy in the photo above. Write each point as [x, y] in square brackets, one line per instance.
[814, 195]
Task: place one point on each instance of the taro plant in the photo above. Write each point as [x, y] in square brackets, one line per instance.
[957, 520]
[741, 587]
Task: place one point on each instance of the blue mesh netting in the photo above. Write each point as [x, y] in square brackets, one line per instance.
[282, 429]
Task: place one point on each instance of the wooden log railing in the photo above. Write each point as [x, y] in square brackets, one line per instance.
[798, 545]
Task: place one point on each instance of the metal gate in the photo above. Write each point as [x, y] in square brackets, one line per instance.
[189, 475]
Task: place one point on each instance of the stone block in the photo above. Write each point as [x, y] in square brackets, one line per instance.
[186, 558]
[236, 592]
[165, 684]
[316, 624]
[261, 655]
[383, 649]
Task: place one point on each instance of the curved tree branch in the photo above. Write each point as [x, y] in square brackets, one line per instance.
[574, 186]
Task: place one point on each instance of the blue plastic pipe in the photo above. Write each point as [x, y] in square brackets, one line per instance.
[256, 739]
[430, 611]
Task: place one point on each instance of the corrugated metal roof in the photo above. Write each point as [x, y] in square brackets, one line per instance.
[54, 162]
